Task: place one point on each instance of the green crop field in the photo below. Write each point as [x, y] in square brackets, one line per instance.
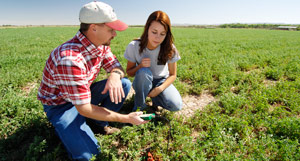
[253, 74]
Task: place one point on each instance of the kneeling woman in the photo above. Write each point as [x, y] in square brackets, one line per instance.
[152, 60]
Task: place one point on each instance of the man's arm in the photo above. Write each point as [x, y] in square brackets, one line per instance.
[103, 114]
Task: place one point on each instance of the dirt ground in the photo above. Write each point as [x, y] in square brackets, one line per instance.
[191, 103]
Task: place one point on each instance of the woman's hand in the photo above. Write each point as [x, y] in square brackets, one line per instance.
[156, 91]
[146, 62]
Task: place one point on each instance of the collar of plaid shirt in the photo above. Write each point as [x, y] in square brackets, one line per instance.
[90, 47]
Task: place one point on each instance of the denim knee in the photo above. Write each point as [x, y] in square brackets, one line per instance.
[143, 80]
[126, 85]
[144, 73]
[175, 105]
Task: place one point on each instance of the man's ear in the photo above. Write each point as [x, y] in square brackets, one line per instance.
[93, 27]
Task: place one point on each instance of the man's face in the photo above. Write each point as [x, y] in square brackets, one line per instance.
[103, 34]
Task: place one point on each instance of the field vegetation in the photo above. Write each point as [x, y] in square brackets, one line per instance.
[253, 74]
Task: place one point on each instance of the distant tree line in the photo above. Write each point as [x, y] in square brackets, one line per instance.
[258, 26]
[240, 25]
[232, 25]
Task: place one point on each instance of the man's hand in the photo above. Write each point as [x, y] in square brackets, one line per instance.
[114, 86]
[135, 119]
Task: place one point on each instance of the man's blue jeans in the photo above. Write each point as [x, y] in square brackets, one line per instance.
[71, 127]
[144, 82]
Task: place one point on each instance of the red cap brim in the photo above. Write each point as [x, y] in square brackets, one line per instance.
[117, 25]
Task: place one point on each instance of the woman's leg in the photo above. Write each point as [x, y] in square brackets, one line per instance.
[142, 84]
[169, 99]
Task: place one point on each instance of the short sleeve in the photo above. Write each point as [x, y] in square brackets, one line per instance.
[130, 52]
[175, 57]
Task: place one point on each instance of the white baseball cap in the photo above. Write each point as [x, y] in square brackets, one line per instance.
[99, 12]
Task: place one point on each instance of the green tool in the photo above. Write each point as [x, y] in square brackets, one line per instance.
[147, 116]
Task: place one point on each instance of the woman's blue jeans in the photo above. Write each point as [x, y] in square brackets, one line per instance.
[144, 82]
[71, 127]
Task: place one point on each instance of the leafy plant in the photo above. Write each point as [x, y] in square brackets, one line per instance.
[253, 74]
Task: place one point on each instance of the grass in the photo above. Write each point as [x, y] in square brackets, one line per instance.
[253, 73]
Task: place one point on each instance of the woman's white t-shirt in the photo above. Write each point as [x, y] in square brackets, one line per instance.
[158, 71]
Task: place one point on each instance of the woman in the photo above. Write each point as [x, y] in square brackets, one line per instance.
[152, 60]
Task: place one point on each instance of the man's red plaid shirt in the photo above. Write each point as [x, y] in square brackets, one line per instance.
[71, 69]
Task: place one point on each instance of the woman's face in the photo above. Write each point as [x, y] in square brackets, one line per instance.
[156, 35]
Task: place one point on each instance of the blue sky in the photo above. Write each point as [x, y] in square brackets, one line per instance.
[136, 12]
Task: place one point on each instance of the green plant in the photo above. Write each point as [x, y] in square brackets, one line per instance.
[253, 74]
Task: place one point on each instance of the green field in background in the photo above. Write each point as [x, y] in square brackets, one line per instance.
[253, 74]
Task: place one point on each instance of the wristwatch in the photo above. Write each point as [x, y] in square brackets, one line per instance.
[118, 72]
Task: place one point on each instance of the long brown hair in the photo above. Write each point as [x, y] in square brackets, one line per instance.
[166, 47]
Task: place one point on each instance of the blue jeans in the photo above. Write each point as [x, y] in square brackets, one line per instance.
[71, 127]
[144, 82]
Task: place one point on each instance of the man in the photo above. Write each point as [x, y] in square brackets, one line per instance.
[66, 91]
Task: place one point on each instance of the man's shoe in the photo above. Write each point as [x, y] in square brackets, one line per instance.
[108, 130]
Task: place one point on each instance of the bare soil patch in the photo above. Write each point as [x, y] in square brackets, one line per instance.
[28, 88]
[268, 82]
[191, 103]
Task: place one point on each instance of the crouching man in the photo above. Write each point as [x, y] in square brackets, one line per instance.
[67, 91]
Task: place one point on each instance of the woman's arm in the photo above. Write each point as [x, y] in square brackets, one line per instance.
[172, 76]
[132, 68]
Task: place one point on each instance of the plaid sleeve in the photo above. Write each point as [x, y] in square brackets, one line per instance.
[110, 60]
[72, 81]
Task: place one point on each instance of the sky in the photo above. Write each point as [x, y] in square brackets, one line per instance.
[136, 12]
